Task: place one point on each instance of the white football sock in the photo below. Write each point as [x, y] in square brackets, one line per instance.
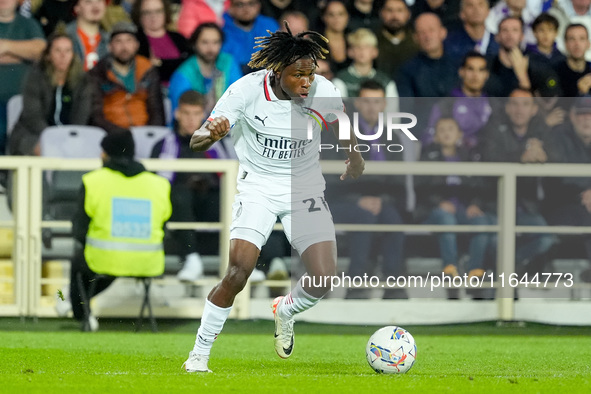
[212, 323]
[296, 301]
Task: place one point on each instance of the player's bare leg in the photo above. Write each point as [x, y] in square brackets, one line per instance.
[243, 258]
[320, 262]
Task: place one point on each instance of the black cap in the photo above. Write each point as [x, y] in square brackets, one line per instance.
[123, 27]
[582, 105]
[119, 144]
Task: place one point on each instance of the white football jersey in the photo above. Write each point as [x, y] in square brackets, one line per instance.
[271, 143]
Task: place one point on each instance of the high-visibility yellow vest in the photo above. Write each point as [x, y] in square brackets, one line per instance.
[127, 215]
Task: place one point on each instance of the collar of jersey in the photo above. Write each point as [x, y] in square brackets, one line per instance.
[269, 94]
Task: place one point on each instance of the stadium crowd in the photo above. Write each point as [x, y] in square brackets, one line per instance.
[503, 82]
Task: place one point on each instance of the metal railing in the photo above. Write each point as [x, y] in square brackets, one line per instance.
[28, 223]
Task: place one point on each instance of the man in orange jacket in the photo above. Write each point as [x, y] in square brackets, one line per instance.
[126, 88]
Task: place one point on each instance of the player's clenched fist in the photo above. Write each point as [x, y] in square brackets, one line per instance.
[218, 128]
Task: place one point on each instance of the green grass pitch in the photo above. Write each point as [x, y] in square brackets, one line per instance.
[51, 356]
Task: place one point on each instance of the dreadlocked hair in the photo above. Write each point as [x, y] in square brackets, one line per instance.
[282, 48]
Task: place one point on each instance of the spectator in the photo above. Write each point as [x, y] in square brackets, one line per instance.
[575, 72]
[116, 11]
[21, 43]
[242, 24]
[336, 18]
[296, 20]
[90, 40]
[363, 49]
[545, 28]
[126, 88]
[373, 199]
[276, 8]
[568, 201]
[119, 222]
[209, 71]
[56, 92]
[472, 34]
[516, 9]
[165, 49]
[510, 69]
[447, 11]
[431, 73]
[469, 105]
[195, 12]
[195, 197]
[363, 13]
[571, 12]
[522, 137]
[452, 199]
[52, 12]
[323, 68]
[395, 41]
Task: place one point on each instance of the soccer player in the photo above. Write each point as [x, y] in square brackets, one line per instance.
[257, 109]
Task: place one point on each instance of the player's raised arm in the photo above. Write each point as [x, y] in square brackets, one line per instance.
[209, 133]
[355, 163]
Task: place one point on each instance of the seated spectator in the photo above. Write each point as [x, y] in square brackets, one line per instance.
[515, 9]
[90, 40]
[447, 11]
[545, 28]
[21, 43]
[116, 234]
[196, 12]
[336, 18]
[472, 34]
[571, 12]
[574, 72]
[363, 13]
[296, 20]
[242, 24]
[126, 88]
[522, 137]
[395, 39]
[510, 69]
[323, 68]
[56, 92]
[277, 8]
[470, 107]
[453, 199]
[116, 11]
[373, 199]
[363, 49]
[210, 71]
[431, 73]
[52, 12]
[194, 197]
[568, 200]
[165, 49]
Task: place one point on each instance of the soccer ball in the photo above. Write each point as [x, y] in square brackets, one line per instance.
[391, 349]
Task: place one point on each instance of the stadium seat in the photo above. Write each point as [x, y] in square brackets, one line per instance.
[145, 137]
[73, 142]
[13, 111]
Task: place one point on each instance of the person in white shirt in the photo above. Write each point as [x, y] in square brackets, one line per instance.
[279, 177]
[518, 8]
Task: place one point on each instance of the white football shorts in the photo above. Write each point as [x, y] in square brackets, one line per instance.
[306, 221]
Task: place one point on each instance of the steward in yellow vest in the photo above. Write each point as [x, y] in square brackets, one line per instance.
[120, 219]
